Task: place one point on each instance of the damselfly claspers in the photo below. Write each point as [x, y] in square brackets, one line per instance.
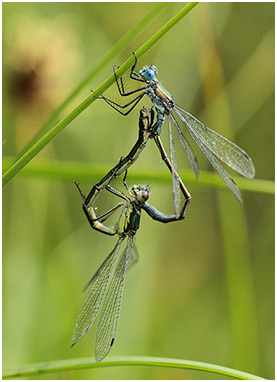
[146, 131]
[210, 143]
[98, 291]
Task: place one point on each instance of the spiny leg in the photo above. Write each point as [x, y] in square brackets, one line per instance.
[121, 87]
[117, 193]
[116, 106]
[109, 213]
[135, 76]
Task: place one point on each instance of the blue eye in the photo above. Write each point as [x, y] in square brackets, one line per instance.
[148, 74]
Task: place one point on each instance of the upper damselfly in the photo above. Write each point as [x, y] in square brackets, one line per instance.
[212, 144]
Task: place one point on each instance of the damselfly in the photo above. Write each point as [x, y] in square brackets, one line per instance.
[210, 143]
[146, 131]
[98, 291]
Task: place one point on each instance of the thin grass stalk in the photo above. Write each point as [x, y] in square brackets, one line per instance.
[87, 363]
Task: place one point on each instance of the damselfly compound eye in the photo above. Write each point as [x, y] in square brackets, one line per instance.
[148, 74]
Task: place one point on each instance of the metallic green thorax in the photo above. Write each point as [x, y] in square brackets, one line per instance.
[129, 220]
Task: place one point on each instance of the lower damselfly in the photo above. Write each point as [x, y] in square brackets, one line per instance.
[212, 144]
[104, 289]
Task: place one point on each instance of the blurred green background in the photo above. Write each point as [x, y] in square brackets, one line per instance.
[204, 287]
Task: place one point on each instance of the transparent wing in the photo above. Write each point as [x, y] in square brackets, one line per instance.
[225, 150]
[224, 175]
[110, 312]
[188, 150]
[175, 178]
[97, 287]
[133, 256]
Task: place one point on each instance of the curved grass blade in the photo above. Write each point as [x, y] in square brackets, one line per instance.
[175, 176]
[225, 150]
[188, 150]
[110, 312]
[39, 369]
[97, 287]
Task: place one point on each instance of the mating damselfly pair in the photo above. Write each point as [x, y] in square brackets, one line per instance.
[214, 147]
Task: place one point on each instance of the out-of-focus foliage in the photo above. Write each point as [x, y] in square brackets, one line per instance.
[204, 287]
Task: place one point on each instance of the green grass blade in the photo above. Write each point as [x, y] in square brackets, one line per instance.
[104, 61]
[86, 363]
[37, 147]
[90, 172]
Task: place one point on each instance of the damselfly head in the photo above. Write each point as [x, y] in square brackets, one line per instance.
[149, 72]
[141, 193]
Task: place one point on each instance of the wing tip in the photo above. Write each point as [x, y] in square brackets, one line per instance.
[73, 342]
[99, 356]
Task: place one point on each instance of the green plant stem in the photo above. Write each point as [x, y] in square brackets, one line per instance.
[85, 363]
[37, 147]
[104, 61]
[90, 172]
